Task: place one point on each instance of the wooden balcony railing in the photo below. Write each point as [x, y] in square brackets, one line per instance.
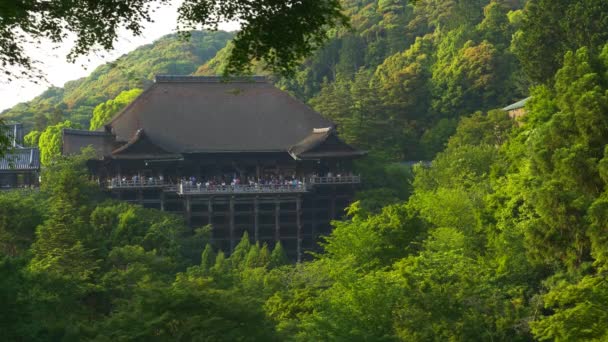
[184, 189]
[335, 180]
[134, 184]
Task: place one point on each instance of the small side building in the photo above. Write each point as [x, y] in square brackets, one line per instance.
[20, 166]
[517, 109]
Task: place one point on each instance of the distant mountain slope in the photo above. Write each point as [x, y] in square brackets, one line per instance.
[379, 29]
[136, 69]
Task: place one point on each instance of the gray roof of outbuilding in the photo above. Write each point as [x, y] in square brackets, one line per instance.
[517, 105]
[192, 114]
[21, 159]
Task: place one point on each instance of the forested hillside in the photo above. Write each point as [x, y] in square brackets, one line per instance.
[502, 237]
[398, 81]
[77, 99]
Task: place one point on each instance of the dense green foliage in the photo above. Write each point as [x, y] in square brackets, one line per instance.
[76, 266]
[550, 28]
[105, 111]
[5, 142]
[77, 100]
[49, 141]
[502, 237]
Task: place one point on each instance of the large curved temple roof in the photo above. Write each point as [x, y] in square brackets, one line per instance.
[193, 114]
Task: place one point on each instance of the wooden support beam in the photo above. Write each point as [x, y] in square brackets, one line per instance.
[140, 197]
[162, 200]
[210, 210]
[332, 204]
[299, 226]
[313, 220]
[232, 235]
[256, 219]
[188, 208]
[277, 215]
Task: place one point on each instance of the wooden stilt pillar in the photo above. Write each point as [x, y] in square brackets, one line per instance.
[210, 211]
[299, 224]
[162, 200]
[332, 205]
[256, 219]
[277, 214]
[232, 233]
[140, 197]
[313, 220]
[188, 207]
[188, 210]
[210, 216]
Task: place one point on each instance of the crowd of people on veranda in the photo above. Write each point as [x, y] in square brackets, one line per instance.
[270, 181]
[219, 182]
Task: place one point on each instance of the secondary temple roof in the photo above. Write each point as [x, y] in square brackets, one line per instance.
[141, 147]
[517, 105]
[323, 142]
[193, 114]
[20, 159]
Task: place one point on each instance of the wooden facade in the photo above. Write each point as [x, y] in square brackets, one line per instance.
[238, 156]
[295, 218]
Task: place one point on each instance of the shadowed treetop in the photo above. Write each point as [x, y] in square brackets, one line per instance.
[279, 32]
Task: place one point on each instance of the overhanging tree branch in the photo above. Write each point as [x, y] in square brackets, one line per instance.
[279, 32]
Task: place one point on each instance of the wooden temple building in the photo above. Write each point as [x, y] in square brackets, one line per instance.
[19, 166]
[239, 155]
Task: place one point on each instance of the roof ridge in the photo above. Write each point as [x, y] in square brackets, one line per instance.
[22, 148]
[84, 132]
[518, 104]
[209, 79]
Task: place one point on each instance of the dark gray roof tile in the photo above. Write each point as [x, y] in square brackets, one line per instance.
[21, 159]
[200, 114]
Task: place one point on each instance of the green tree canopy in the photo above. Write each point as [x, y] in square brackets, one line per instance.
[51, 140]
[105, 111]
